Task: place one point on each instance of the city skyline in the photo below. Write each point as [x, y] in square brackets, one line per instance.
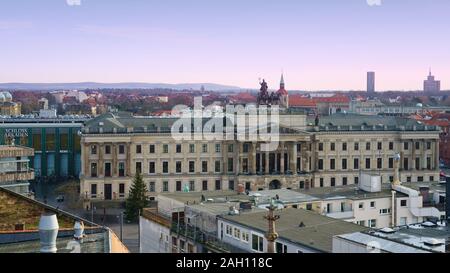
[320, 45]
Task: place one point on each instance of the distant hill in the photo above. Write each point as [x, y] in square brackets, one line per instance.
[125, 85]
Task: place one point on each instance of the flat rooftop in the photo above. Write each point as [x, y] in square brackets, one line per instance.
[317, 232]
[285, 196]
[95, 241]
[349, 192]
[418, 238]
[192, 198]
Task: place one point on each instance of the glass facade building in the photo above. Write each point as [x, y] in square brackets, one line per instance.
[56, 146]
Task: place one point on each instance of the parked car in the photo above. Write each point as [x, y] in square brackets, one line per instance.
[60, 198]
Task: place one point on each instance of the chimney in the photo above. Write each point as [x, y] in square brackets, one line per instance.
[48, 232]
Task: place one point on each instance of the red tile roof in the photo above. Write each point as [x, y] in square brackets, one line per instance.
[300, 101]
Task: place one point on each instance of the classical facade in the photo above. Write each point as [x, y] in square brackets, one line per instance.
[328, 152]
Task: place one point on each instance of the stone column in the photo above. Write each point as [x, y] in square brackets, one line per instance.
[86, 153]
[437, 157]
[115, 163]
[100, 160]
[293, 157]
[238, 158]
[282, 158]
[267, 156]
[254, 158]
[224, 158]
[128, 160]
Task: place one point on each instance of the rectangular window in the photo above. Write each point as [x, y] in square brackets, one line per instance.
[379, 163]
[151, 167]
[152, 187]
[204, 148]
[280, 248]
[344, 146]
[257, 243]
[405, 164]
[152, 149]
[367, 146]
[230, 165]
[230, 148]
[204, 166]
[165, 148]
[373, 223]
[321, 182]
[178, 149]
[191, 148]
[333, 182]
[320, 164]
[372, 204]
[217, 165]
[107, 169]
[403, 203]
[332, 146]
[218, 148]
[178, 185]
[218, 185]
[429, 163]
[138, 149]
[245, 236]
[344, 181]
[93, 169]
[356, 180]
[344, 164]
[191, 185]
[356, 163]
[165, 186]
[332, 164]
[121, 169]
[108, 149]
[428, 145]
[391, 163]
[405, 146]
[93, 190]
[245, 165]
[356, 148]
[391, 146]
[417, 145]
[121, 190]
[320, 146]
[361, 205]
[204, 185]
[417, 163]
[165, 166]
[245, 148]
[380, 146]
[121, 149]
[192, 166]
[367, 163]
[139, 167]
[178, 167]
[93, 149]
[231, 185]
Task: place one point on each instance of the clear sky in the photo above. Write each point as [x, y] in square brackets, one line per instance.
[320, 44]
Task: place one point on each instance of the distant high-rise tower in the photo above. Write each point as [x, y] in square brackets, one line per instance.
[283, 94]
[431, 85]
[370, 82]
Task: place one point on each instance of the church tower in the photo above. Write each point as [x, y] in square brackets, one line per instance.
[283, 94]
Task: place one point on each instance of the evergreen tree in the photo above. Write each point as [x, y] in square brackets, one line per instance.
[137, 199]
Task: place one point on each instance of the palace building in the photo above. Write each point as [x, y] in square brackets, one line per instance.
[321, 152]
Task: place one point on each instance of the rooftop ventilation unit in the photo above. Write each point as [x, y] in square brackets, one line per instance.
[48, 232]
